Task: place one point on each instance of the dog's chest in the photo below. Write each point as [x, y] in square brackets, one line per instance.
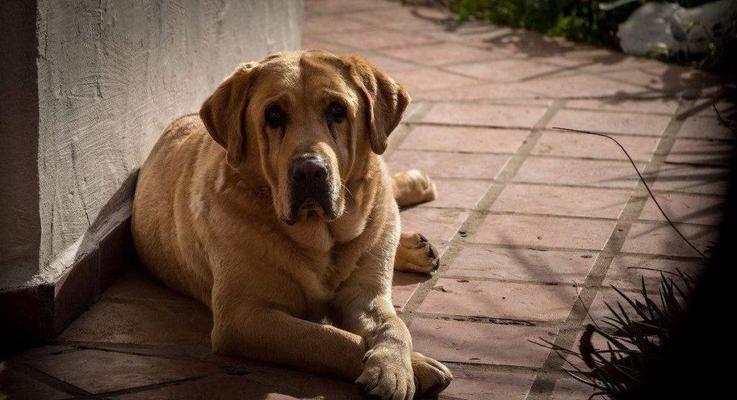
[321, 287]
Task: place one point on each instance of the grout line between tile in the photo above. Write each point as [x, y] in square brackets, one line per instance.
[553, 184]
[488, 320]
[647, 221]
[544, 384]
[144, 388]
[474, 220]
[546, 156]
[405, 128]
[50, 380]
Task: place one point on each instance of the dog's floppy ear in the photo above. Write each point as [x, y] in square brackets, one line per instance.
[385, 98]
[224, 112]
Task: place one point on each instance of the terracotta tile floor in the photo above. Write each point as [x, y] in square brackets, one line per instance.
[528, 218]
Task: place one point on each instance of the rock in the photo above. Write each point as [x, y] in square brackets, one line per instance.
[665, 29]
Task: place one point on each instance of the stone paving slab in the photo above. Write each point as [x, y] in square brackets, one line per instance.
[531, 222]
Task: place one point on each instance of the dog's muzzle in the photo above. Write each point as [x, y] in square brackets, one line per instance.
[310, 187]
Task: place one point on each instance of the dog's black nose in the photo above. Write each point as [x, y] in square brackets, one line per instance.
[308, 171]
[310, 183]
[311, 188]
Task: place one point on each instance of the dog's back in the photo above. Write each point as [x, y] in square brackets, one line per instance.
[164, 183]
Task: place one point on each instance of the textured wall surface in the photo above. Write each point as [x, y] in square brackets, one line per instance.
[111, 75]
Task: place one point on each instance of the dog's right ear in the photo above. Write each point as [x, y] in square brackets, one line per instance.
[224, 112]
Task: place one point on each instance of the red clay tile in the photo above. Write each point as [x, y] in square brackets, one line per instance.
[38, 352]
[459, 193]
[569, 388]
[448, 165]
[597, 341]
[16, 385]
[581, 145]
[150, 322]
[689, 208]
[484, 114]
[213, 388]
[403, 286]
[439, 54]
[573, 171]
[521, 301]
[480, 343]
[660, 239]
[302, 384]
[315, 43]
[661, 105]
[561, 200]
[422, 78]
[522, 230]
[464, 139]
[692, 179]
[701, 151]
[703, 128]
[652, 80]
[438, 225]
[580, 85]
[103, 371]
[509, 93]
[521, 264]
[477, 384]
[378, 38]
[505, 70]
[607, 122]
[704, 107]
[403, 18]
[391, 66]
[598, 310]
[627, 272]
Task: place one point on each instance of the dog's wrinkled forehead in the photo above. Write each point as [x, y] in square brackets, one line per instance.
[304, 72]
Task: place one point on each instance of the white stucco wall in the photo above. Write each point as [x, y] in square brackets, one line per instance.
[111, 75]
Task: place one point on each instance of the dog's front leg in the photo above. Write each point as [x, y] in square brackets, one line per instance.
[368, 312]
[252, 330]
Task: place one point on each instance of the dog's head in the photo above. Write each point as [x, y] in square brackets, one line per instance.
[308, 121]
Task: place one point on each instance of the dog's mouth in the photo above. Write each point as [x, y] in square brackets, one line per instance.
[311, 208]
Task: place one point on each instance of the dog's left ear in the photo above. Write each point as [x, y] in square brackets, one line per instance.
[386, 100]
[223, 113]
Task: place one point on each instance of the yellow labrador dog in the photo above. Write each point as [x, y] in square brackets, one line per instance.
[274, 208]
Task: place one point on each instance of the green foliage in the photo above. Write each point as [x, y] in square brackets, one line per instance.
[578, 20]
[581, 20]
[635, 339]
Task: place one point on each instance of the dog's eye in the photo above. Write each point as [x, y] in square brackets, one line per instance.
[275, 117]
[336, 113]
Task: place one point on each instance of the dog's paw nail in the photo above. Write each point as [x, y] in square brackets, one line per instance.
[432, 252]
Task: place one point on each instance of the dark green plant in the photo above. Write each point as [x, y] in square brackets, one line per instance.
[635, 340]
[589, 21]
[578, 20]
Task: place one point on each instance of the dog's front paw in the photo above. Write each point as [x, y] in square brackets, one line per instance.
[431, 377]
[387, 374]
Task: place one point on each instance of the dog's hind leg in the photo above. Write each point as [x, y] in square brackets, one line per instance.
[413, 187]
[416, 254]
